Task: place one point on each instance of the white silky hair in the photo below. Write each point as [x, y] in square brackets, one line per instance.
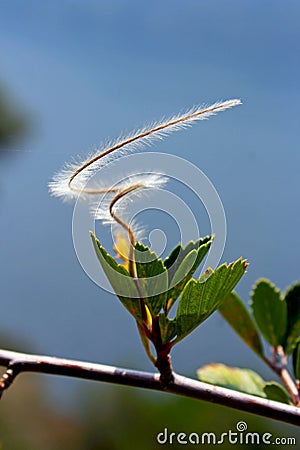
[142, 184]
[68, 187]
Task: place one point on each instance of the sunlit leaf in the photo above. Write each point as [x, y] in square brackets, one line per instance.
[200, 299]
[152, 278]
[173, 261]
[145, 342]
[167, 328]
[270, 312]
[182, 264]
[122, 249]
[119, 279]
[236, 314]
[243, 380]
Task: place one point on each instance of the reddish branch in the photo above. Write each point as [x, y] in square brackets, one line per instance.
[17, 363]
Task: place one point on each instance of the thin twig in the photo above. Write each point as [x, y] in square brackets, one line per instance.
[119, 196]
[278, 365]
[290, 385]
[22, 362]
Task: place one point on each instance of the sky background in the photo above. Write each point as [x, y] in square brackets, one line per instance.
[85, 71]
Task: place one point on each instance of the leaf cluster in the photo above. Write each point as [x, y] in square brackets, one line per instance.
[161, 284]
[274, 316]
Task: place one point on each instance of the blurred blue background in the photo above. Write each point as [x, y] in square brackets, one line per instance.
[88, 70]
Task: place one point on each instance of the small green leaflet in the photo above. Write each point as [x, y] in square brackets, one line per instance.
[236, 314]
[182, 264]
[242, 380]
[270, 312]
[200, 299]
[152, 278]
[119, 279]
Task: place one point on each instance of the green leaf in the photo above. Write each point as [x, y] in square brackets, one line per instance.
[236, 314]
[173, 261]
[152, 278]
[274, 391]
[145, 342]
[296, 360]
[120, 280]
[242, 380]
[182, 264]
[292, 298]
[200, 299]
[185, 267]
[167, 328]
[270, 312]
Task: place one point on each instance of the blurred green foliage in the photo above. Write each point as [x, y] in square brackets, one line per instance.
[115, 418]
[13, 123]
